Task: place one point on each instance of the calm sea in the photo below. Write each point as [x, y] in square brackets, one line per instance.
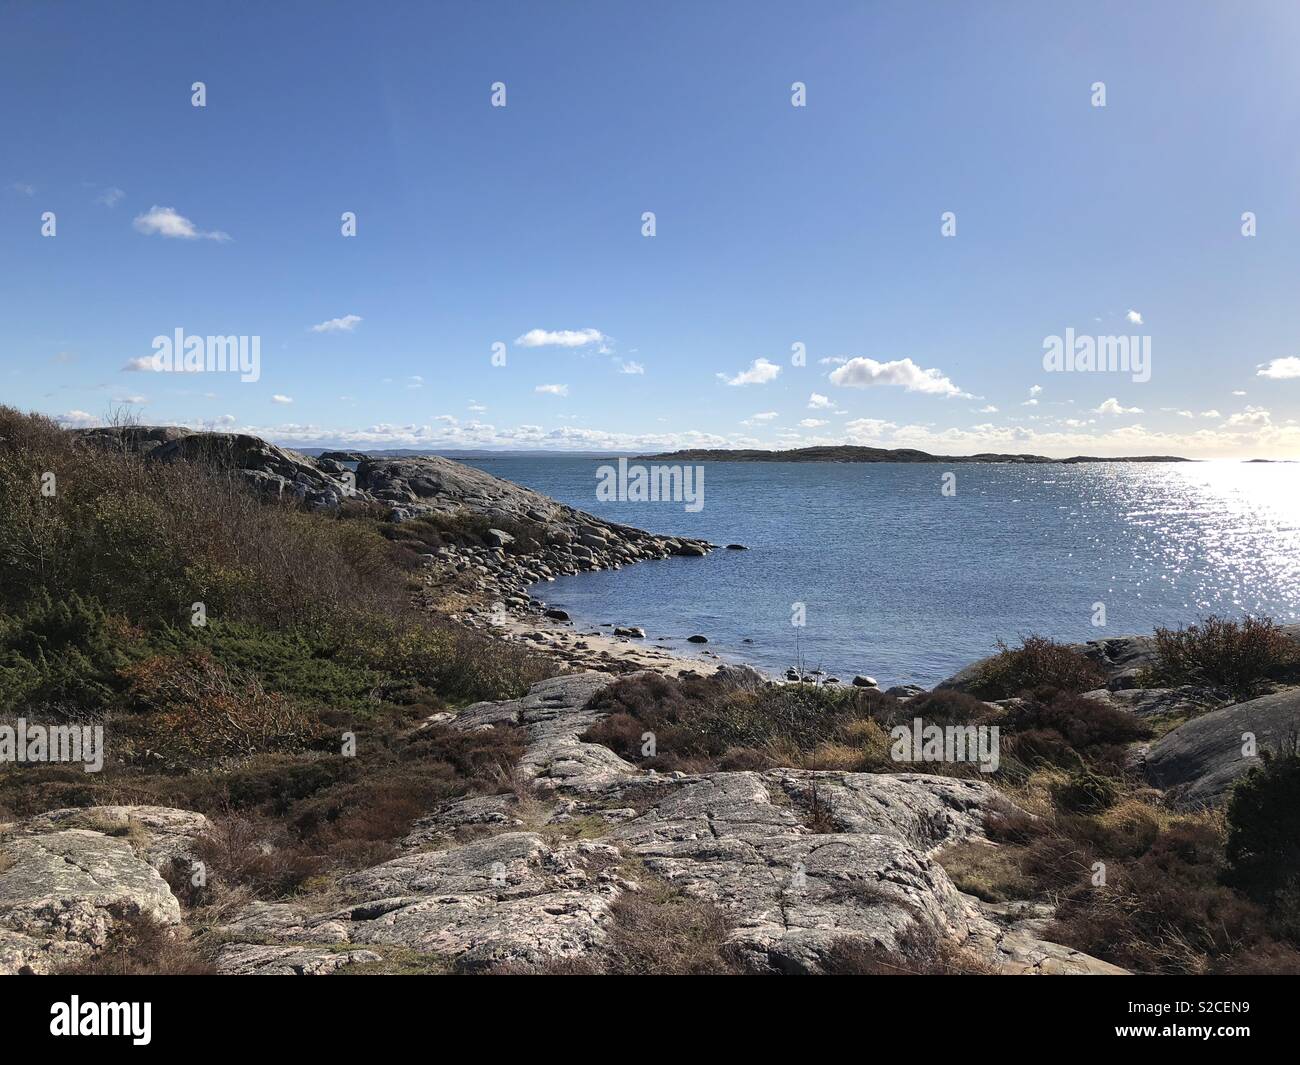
[908, 585]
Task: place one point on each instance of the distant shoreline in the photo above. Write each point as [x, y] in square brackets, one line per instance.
[848, 453]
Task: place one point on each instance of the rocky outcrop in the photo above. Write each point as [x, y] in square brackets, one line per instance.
[253, 959]
[509, 898]
[797, 860]
[1198, 762]
[1123, 659]
[68, 875]
[1018, 949]
[1185, 701]
[563, 540]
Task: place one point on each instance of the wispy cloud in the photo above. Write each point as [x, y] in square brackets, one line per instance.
[111, 197]
[346, 324]
[632, 367]
[560, 338]
[552, 390]
[282, 400]
[1113, 406]
[167, 222]
[23, 189]
[143, 364]
[760, 372]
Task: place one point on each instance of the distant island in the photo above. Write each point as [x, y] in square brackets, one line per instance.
[849, 453]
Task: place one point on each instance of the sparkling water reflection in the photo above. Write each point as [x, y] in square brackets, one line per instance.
[908, 585]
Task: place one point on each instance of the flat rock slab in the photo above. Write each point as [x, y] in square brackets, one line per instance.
[508, 898]
[253, 959]
[741, 841]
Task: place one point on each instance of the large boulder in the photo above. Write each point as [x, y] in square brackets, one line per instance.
[67, 876]
[1198, 762]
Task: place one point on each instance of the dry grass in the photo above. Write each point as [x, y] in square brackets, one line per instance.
[138, 945]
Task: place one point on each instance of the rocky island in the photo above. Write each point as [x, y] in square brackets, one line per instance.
[853, 453]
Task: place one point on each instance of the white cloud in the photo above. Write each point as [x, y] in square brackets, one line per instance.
[1281, 369]
[347, 324]
[1030, 403]
[285, 400]
[760, 418]
[560, 338]
[1238, 392]
[990, 409]
[450, 419]
[864, 373]
[144, 364]
[552, 390]
[1134, 317]
[868, 429]
[137, 401]
[760, 372]
[166, 222]
[477, 408]
[1251, 417]
[415, 381]
[813, 423]
[76, 419]
[1211, 414]
[631, 367]
[1035, 389]
[819, 402]
[110, 197]
[1113, 406]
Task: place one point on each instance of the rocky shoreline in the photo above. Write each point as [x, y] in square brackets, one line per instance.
[797, 861]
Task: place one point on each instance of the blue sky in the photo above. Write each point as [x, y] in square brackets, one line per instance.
[775, 225]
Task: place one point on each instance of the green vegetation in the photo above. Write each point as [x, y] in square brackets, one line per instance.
[310, 633]
[1263, 844]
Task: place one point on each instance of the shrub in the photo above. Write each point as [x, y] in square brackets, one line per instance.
[1068, 730]
[1038, 663]
[1086, 793]
[1166, 912]
[192, 710]
[139, 945]
[1219, 652]
[705, 723]
[1263, 845]
[61, 657]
